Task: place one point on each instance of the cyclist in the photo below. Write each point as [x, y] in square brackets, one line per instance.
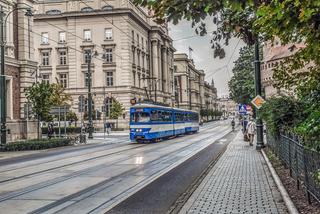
[233, 123]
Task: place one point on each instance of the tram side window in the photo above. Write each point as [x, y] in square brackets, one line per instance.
[154, 115]
[179, 117]
[140, 117]
[167, 116]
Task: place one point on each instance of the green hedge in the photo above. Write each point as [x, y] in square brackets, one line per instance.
[70, 130]
[37, 144]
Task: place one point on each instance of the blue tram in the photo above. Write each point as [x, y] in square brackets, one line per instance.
[152, 122]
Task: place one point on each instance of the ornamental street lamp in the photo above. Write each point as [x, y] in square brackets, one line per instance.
[3, 98]
[259, 123]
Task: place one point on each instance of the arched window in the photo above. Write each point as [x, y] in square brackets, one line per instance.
[53, 12]
[86, 9]
[107, 7]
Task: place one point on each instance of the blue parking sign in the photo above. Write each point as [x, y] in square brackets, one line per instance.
[243, 109]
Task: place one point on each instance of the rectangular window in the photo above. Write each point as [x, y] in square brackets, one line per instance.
[132, 35]
[45, 58]
[134, 78]
[44, 38]
[142, 42]
[63, 80]
[138, 40]
[133, 56]
[138, 56]
[62, 37]
[45, 78]
[109, 78]
[142, 60]
[108, 55]
[139, 80]
[87, 56]
[87, 35]
[108, 33]
[63, 57]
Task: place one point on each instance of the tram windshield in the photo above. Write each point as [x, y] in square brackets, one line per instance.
[140, 117]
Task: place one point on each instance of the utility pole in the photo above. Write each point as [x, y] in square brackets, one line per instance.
[3, 82]
[89, 55]
[259, 123]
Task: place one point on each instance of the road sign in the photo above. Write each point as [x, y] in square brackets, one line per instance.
[243, 109]
[258, 101]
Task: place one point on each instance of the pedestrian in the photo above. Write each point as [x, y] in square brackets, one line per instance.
[108, 128]
[250, 131]
[49, 131]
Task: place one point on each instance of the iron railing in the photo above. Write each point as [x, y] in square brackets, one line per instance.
[303, 163]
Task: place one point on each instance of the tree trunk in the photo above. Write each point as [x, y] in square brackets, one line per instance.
[38, 128]
[59, 121]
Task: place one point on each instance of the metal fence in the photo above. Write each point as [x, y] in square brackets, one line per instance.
[303, 163]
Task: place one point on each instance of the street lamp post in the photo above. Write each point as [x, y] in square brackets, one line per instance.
[3, 98]
[259, 123]
[89, 57]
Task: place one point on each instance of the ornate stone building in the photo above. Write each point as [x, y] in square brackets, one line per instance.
[19, 66]
[189, 84]
[273, 54]
[133, 56]
[210, 96]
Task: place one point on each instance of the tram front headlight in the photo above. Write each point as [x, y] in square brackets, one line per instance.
[139, 130]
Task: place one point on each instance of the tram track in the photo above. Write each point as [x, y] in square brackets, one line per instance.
[54, 181]
[84, 194]
[101, 186]
[58, 167]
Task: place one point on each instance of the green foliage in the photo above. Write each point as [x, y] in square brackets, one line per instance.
[241, 85]
[280, 113]
[59, 97]
[116, 110]
[72, 116]
[39, 96]
[36, 144]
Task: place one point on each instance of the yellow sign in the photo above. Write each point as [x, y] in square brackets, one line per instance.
[258, 101]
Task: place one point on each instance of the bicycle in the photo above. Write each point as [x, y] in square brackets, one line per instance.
[81, 139]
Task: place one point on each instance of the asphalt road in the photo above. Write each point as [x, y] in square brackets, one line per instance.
[97, 178]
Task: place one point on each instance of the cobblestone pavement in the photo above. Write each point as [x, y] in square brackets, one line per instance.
[240, 182]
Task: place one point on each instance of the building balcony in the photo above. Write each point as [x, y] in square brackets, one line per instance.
[62, 67]
[45, 67]
[109, 64]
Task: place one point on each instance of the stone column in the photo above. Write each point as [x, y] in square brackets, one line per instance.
[155, 66]
[159, 58]
[165, 69]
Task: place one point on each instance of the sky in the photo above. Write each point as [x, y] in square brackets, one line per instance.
[219, 69]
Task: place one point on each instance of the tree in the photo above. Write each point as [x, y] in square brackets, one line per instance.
[39, 95]
[116, 110]
[72, 117]
[241, 85]
[290, 20]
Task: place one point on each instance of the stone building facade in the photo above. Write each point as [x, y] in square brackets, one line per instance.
[227, 106]
[133, 55]
[273, 54]
[210, 96]
[189, 84]
[19, 67]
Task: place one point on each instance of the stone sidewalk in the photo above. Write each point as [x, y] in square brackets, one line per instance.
[239, 182]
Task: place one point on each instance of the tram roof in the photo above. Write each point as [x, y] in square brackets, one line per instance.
[144, 105]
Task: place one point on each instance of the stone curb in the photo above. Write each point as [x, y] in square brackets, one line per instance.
[286, 198]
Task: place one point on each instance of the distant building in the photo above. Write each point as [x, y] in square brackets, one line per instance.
[134, 61]
[273, 54]
[227, 106]
[210, 96]
[20, 68]
[189, 84]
